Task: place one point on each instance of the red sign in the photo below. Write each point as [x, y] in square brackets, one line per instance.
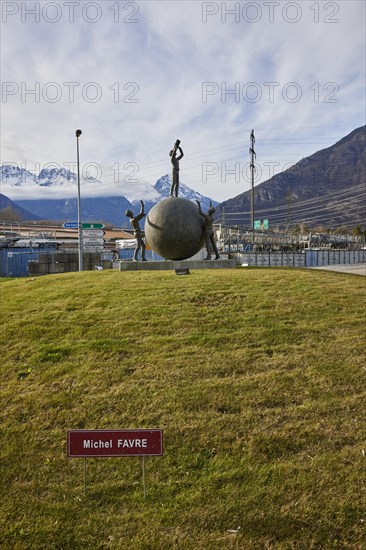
[104, 443]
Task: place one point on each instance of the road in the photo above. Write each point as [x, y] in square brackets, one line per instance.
[354, 269]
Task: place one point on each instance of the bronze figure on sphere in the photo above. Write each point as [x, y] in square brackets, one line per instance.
[208, 229]
[175, 168]
[140, 243]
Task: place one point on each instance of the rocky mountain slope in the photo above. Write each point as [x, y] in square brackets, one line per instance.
[327, 188]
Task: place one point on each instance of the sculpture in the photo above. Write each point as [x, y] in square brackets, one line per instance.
[208, 229]
[140, 244]
[174, 229]
[175, 168]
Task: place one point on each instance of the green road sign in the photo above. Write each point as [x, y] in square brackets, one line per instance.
[92, 226]
[260, 224]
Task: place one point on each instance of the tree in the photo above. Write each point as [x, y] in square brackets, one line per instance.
[301, 229]
[358, 231]
[342, 230]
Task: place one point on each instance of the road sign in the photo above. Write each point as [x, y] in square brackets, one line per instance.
[93, 248]
[71, 225]
[90, 241]
[104, 443]
[93, 233]
[92, 226]
[261, 224]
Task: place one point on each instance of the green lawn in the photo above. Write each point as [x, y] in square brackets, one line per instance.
[256, 376]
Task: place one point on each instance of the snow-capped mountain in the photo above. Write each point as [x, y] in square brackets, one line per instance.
[52, 194]
[20, 183]
[14, 176]
[49, 177]
[62, 180]
[163, 186]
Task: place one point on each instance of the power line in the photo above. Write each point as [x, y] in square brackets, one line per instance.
[239, 145]
[309, 213]
[327, 197]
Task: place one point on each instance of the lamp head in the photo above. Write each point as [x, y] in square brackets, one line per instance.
[78, 133]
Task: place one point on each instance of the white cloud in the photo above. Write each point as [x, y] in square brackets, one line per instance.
[169, 54]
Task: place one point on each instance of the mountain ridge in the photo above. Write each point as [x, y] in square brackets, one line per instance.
[326, 188]
[110, 208]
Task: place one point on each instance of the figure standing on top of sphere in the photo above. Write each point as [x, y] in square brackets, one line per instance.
[140, 244]
[175, 166]
[208, 228]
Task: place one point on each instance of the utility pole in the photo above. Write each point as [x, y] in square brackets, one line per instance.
[252, 169]
[289, 198]
[78, 134]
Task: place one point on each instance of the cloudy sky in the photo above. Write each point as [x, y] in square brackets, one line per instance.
[135, 76]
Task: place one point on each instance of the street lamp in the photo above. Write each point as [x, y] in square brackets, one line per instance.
[78, 134]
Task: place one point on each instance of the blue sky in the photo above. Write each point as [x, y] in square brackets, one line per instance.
[146, 73]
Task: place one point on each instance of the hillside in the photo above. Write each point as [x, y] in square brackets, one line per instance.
[7, 207]
[327, 188]
[103, 209]
[255, 376]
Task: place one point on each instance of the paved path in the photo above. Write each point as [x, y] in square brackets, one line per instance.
[355, 269]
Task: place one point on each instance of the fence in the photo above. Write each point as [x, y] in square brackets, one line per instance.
[308, 258]
[23, 262]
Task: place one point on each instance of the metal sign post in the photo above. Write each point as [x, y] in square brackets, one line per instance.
[84, 477]
[143, 476]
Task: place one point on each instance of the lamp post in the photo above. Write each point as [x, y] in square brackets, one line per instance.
[252, 168]
[78, 134]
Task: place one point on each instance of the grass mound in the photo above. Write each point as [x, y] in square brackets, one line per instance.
[255, 376]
